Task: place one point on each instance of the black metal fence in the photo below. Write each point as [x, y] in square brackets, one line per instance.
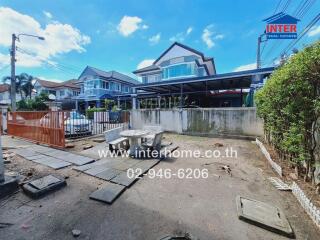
[77, 125]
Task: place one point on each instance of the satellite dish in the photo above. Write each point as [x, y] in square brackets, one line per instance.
[52, 97]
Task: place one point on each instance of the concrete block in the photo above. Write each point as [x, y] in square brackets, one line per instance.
[9, 186]
[43, 186]
[108, 193]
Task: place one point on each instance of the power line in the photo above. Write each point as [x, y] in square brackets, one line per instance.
[306, 9]
[286, 5]
[278, 5]
[306, 29]
[56, 66]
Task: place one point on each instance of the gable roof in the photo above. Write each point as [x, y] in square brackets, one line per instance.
[154, 67]
[67, 84]
[111, 74]
[4, 87]
[281, 18]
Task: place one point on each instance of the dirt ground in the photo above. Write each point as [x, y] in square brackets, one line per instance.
[153, 208]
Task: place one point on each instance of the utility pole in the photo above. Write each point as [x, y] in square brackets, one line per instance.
[259, 51]
[1, 164]
[13, 73]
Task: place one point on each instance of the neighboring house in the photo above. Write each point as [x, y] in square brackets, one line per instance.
[178, 61]
[183, 77]
[97, 85]
[5, 94]
[61, 90]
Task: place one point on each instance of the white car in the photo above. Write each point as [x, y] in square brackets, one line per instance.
[74, 123]
[77, 123]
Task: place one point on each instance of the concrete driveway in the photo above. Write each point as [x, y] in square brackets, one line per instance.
[152, 208]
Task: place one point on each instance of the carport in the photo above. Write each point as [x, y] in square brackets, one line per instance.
[210, 91]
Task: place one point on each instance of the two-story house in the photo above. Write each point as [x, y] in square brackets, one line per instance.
[63, 91]
[178, 61]
[5, 98]
[97, 85]
[184, 77]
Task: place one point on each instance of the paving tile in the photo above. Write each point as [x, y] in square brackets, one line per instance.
[108, 193]
[108, 174]
[25, 152]
[123, 166]
[44, 182]
[78, 160]
[34, 157]
[145, 165]
[123, 179]
[52, 162]
[93, 171]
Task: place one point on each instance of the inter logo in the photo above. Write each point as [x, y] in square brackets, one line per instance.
[281, 26]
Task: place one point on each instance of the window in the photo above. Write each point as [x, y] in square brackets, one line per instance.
[75, 93]
[90, 84]
[154, 78]
[62, 92]
[125, 88]
[179, 70]
[105, 85]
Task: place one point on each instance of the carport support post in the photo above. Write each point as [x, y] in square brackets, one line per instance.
[1, 164]
[159, 101]
[181, 96]
[118, 102]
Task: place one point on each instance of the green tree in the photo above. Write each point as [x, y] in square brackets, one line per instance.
[289, 105]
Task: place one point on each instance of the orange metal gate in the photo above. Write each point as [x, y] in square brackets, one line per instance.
[43, 127]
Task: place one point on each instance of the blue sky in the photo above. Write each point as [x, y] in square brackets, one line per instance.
[119, 35]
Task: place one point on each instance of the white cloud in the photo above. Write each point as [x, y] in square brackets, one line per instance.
[189, 30]
[181, 36]
[219, 36]
[47, 14]
[155, 39]
[208, 36]
[59, 38]
[245, 67]
[315, 30]
[129, 25]
[144, 26]
[145, 63]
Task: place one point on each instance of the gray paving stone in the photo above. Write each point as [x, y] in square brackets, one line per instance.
[108, 193]
[34, 157]
[93, 171]
[52, 162]
[108, 174]
[263, 215]
[44, 182]
[123, 179]
[25, 152]
[124, 165]
[145, 165]
[77, 159]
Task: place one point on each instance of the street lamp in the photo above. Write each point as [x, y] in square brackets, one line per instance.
[13, 66]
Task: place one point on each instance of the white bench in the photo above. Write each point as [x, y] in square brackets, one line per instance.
[114, 139]
[153, 129]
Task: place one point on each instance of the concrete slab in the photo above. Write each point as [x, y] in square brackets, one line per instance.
[25, 152]
[44, 182]
[52, 162]
[43, 186]
[108, 193]
[96, 169]
[263, 215]
[9, 186]
[145, 165]
[34, 157]
[77, 159]
[108, 174]
[123, 166]
[123, 179]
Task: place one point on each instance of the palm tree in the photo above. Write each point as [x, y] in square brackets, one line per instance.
[23, 84]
